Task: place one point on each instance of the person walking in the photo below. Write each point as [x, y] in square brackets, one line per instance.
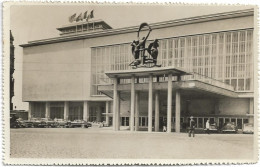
[207, 126]
[164, 125]
[192, 127]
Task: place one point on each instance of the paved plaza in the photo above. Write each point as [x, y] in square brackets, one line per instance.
[105, 143]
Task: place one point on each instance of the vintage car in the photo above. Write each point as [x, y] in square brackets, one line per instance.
[229, 127]
[248, 128]
[13, 121]
[38, 123]
[48, 122]
[213, 128]
[21, 123]
[61, 123]
[79, 123]
[28, 123]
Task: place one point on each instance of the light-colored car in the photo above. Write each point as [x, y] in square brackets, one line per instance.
[48, 122]
[248, 128]
[229, 127]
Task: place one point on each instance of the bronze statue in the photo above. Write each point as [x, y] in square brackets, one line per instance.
[139, 48]
[153, 50]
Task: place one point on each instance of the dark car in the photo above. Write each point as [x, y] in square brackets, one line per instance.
[79, 123]
[13, 121]
[248, 128]
[213, 128]
[229, 127]
[28, 123]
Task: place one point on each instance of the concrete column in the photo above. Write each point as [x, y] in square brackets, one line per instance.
[178, 112]
[137, 102]
[86, 111]
[66, 110]
[251, 110]
[118, 112]
[169, 104]
[99, 112]
[107, 110]
[47, 110]
[156, 124]
[132, 113]
[115, 106]
[30, 110]
[150, 103]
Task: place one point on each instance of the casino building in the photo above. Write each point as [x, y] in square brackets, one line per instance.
[207, 72]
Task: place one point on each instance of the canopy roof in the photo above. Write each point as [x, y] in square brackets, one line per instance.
[145, 72]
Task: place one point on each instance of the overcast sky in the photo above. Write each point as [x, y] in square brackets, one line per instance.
[34, 22]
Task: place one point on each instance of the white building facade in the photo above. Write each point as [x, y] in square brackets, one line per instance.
[65, 77]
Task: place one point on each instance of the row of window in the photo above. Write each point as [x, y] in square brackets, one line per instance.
[200, 121]
[223, 56]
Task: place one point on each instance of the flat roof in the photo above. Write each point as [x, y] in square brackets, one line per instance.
[145, 72]
[158, 25]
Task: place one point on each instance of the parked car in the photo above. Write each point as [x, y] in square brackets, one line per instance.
[229, 127]
[213, 128]
[248, 128]
[21, 123]
[38, 122]
[13, 121]
[48, 122]
[28, 123]
[61, 123]
[79, 123]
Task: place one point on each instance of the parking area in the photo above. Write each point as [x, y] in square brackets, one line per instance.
[106, 143]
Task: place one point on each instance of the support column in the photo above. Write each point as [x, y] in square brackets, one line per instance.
[47, 110]
[178, 112]
[156, 119]
[99, 112]
[30, 110]
[66, 110]
[86, 111]
[150, 103]
[107, 110]
[118, 112]
[169, 104]
[251, 110]
[115, 96]
[132, 113]
[137, 111]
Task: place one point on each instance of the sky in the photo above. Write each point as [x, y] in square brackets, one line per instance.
[35, 22]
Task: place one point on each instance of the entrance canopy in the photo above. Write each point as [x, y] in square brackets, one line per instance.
[193, 85]
[145, 72]
[192, 89]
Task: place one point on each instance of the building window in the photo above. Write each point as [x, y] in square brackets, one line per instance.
[225, 56]
[57, 110]
[75, 111]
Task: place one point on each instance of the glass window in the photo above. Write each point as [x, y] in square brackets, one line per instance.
[239, 123]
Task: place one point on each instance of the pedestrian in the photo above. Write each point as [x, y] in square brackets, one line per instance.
[192, 127]
[207, 126]
[164, 125]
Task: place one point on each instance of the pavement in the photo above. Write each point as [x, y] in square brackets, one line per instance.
[105, 143]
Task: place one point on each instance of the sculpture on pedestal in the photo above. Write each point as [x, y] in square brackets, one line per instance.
[139, 49]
